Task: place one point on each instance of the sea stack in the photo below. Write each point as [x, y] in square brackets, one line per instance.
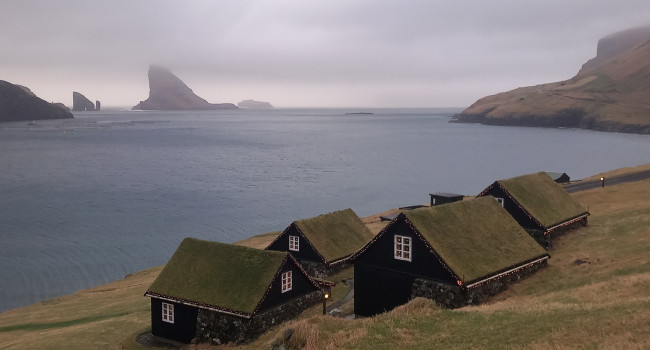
[609, 93]
[168, 93]
[19, 103]
[80, 103]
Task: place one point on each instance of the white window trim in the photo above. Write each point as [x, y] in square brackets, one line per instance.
[398, 247]
[287, 281]
[500, 200]
[168, 312]
[294, 243]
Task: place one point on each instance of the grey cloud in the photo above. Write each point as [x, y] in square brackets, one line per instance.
[297, 51]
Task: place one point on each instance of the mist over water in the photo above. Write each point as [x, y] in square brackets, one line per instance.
[87, 201]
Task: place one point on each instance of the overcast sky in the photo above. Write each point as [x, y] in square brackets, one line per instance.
[299, 53]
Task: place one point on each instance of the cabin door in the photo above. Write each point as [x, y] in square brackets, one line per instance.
[378, 290]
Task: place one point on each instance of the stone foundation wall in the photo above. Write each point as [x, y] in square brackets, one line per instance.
[453, 296]
[220, 328]
[319, 270]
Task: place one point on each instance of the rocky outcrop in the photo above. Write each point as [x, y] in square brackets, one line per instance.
[609, 93]
[19, 103]
[81, 103]
[168, 92]
[252, 104]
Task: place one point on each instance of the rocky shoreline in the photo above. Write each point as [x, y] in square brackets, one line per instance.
[567, 120]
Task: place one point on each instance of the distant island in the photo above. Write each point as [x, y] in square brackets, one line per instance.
[18, 103]
[252, 104]
[168, 93]
[81, 103]
[610, 93]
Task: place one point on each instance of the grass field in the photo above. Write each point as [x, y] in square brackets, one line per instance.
[595, 294]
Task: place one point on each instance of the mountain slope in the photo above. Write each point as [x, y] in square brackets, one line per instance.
[19, 103]
[610, 93]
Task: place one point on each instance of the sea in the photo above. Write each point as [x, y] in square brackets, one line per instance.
[88, 200]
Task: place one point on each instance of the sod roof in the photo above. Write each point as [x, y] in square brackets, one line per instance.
[218, 274]
[476, 238]
[543, 198]
[335, 235]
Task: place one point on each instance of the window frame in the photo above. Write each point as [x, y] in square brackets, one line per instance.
[168, 312]
[399, 243]
[501, 201]
[294, 243]
[287, 281]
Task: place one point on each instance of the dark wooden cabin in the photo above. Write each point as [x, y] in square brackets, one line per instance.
[211, 290]
[457, 254]
[324, 243]
[558, 177]
[439, 198]
[539, 205]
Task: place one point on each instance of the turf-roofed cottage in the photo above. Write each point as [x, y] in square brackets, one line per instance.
[217, 292]
[324, 243]
[539, 205]
[456, 254]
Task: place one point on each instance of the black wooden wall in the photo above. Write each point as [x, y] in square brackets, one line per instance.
[184, 327]
[300, 286]
[382, 282]
[513, 209]
[306, 251]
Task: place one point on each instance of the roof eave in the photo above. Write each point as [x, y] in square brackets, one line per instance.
[198, 304]
[537, 260]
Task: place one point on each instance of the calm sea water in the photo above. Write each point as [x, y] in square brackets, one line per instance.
[87, 201]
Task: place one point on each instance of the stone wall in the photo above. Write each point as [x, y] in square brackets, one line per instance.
[319, 270]
[454, 296]
[220, 328]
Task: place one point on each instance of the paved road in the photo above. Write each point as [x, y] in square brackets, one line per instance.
[586, 185]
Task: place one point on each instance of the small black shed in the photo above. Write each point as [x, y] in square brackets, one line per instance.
[457, 254]
[439, 198]
[218, 292]
[324, 243]
[559, 177]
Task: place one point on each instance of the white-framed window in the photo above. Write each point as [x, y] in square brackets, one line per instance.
[499, 200]
[294, 243]
[403, 247]
[286, 281]
[168, 312]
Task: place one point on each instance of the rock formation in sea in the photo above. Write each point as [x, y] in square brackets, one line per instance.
[252, 104]
[19, 103]
[168, 92]
[610, 93]
[81, 103]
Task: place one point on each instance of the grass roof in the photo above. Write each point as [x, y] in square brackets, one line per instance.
[476, 238]
[543, 198]
[218, 274]
[335, 235]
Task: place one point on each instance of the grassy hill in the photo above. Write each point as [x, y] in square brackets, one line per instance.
[609, 93]
[593, 295]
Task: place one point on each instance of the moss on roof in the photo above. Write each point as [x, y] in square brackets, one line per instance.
[335, 235]
[476, 238]
[543, 198]
[218, 274]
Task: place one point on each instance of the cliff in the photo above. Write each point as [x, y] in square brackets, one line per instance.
[19, 103]
[252, 104]
[81, 103]
[168, 92]
[609, 93]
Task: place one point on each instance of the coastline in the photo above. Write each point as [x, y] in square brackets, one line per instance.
[109, 314]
